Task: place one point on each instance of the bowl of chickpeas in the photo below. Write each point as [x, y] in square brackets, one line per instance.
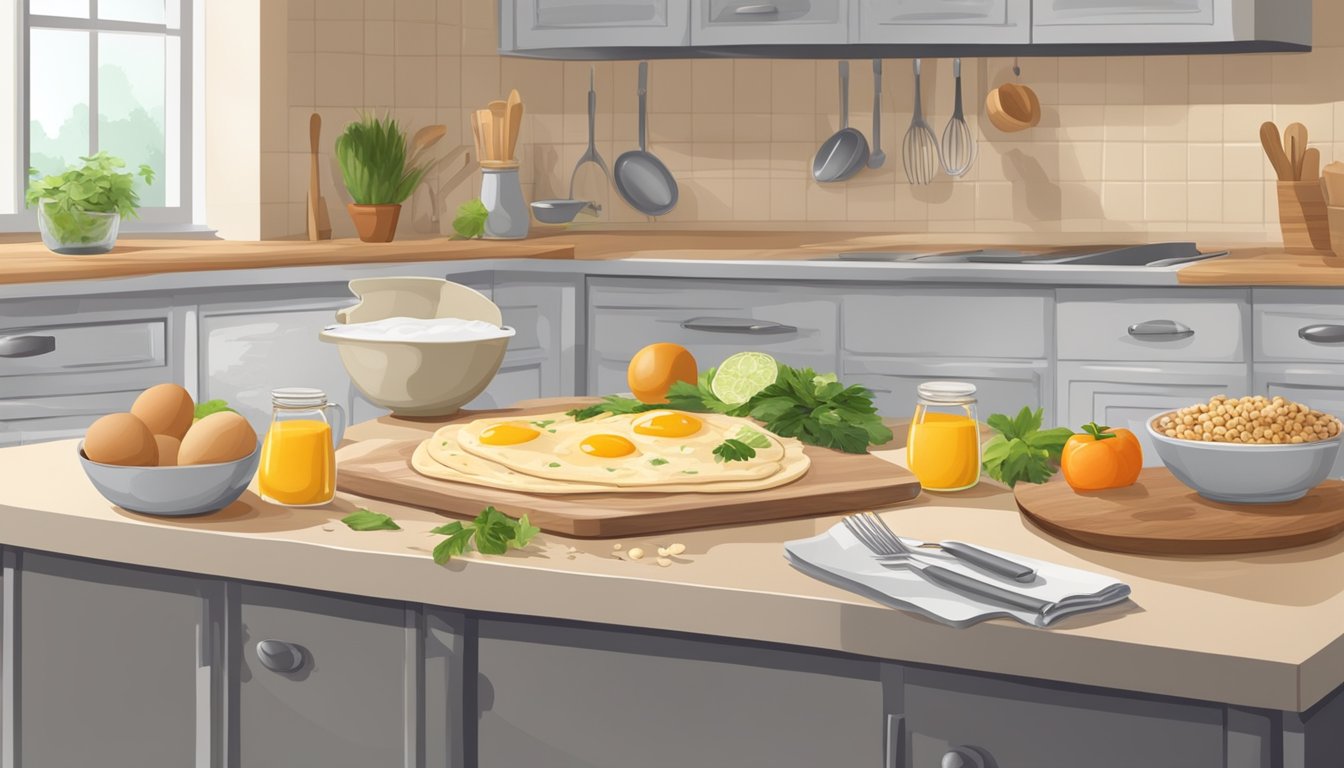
[1248, 450]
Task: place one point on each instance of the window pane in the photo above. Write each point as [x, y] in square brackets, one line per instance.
[58, 98]
[77, 9]
[131, 104]
[147, 11]
[9, 117]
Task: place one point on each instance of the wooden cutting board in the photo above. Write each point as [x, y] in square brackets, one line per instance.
[836, 482]
[1159, 515]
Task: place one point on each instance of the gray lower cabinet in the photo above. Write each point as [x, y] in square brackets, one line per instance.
[572, 697]
[324, 680]
[1002, 386]
[797, 324]
[1018, 725]
[1127, 395]
[1320, 386]
[542, 357]
[110, 665]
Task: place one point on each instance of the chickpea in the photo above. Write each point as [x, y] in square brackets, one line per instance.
[1249, 419]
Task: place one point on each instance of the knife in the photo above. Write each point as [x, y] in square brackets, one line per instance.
[979, 558]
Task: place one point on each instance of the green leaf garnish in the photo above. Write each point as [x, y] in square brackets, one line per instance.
[365, 520]
[733, 450]
[1021, 450]
[543, 423]
[553, 464]
[209, 407]
[657, 462]
[492, 533]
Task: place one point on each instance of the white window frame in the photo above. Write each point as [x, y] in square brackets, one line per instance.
[179, 217]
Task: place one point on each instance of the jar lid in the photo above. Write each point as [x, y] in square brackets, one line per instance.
[947, 391]
[298, 397]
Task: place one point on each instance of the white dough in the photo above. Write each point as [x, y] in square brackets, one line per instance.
[438, 329]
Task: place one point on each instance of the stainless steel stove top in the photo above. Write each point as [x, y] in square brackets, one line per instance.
[1151, 255]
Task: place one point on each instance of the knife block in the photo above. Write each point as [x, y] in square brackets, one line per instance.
[1303, 215]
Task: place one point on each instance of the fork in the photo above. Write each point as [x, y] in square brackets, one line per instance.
[870, 536]
[999, 566]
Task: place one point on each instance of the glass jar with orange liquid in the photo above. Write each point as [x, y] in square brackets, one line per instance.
[298, 457]
[943, 447]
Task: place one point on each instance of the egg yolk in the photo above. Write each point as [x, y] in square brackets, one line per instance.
[668, 424]
[508, 434]
[607, 446]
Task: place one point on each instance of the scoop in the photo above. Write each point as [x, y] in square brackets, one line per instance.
[845, 153]
[560, 211]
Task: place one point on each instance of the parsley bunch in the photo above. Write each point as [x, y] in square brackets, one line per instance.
[817, 410]
[1022, 450]
[492, 531]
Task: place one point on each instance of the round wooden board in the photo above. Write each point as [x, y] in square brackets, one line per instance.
[1159, 515]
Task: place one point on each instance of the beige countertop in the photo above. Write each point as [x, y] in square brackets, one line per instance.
[1259, 630]
[28, 261]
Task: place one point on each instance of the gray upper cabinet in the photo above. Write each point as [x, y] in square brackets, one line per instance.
[113, 665]
[323, 681]
[574, 697]
[769, 22]
[944, 21]
[584, 24]
[1172, 21]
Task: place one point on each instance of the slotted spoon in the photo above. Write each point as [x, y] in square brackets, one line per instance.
[920, 149]
[958, 148]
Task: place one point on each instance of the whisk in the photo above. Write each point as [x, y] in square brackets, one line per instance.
[920, 149]
[958, 147]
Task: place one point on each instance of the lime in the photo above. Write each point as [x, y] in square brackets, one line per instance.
[741, 376]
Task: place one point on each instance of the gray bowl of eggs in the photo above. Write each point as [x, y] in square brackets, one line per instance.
[1249, 450]
[159, 459]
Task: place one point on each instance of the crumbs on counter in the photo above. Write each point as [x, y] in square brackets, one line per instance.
[664, 558]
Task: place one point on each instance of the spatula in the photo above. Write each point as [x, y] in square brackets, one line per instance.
[514, 111]
[424, 139]
[1271, 140]
[1295, 144]
[319, 223]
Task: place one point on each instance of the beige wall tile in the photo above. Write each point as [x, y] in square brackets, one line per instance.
[712, 85]
[870, 200]
[449, 40]
[380, 77]
[752, 86]
[339, 36]
[416, 38]
[379, 9]
[340, 80]
[416, 84]
[793, 87]
[300, 9]
[1205, 162]
[751, 199]
[300, 34]
[1122, 200]
[788, 200]
[1165, 162]
[1165, 201]
[1122, 161]
[708, 127]
[1204, 202]
[1081, 161]
[302, 78]
[1244, 162]
[339, 9]
[1083, 81]
[1243, 202]
[414, 10]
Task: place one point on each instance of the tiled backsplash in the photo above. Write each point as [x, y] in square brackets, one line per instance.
[1132, 146]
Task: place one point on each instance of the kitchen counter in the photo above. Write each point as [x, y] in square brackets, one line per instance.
[798, 255]
[1262, 630]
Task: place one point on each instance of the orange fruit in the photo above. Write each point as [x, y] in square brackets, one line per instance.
[654, 369]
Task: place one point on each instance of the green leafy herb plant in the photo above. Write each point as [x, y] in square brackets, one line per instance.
[99, 186]
[1021, 450]
[374, 163]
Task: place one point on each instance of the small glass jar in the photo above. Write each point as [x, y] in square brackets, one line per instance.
[943, 447]
[298, 456]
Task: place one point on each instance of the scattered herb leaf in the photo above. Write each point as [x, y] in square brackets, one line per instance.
[543, 423]
[1021, 450]
[690, 472]
[657, 462]
[470, 220]
[553, 464]
[209, 407]
[365, 520]
[492, 532]
[733, 450]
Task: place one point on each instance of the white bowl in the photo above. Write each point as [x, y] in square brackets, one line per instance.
[419, 378]
[1245, 473]
[172, 491]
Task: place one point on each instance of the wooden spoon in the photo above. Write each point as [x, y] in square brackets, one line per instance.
[499, 114]
[424, 139]
[319, 221]
[487, 122]
[1295, 143]
[1273, 144]
[1311, 164]
[515, 124]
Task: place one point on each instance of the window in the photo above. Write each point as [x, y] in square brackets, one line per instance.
[99, 75]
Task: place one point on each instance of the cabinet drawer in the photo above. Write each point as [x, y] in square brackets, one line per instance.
[1129, 395]
[1001, 386]
[1305, 326]
[952, 322]
[1024, 725]
[1183, 326]
[346, 704]
[769, 22]
[39, 419]
[69, 346]
[712, 319]
[944, 21]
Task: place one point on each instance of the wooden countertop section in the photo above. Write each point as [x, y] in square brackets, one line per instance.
[1259, 630]
[31, 262]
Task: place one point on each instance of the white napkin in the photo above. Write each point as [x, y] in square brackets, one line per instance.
[836, 557]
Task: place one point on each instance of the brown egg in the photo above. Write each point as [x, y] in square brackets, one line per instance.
[122, 439]
[168, 448]
[217, 438]
[166, 409]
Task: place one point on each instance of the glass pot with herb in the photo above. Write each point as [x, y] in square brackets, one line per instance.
[79, 212]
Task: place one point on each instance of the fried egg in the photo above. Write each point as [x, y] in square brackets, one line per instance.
[645, 449]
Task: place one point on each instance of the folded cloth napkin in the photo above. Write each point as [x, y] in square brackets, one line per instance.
[836, 557]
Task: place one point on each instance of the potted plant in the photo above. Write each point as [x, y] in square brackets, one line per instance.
[80, 211]
[373, 158]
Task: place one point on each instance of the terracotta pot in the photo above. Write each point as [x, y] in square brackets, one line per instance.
[375, 223]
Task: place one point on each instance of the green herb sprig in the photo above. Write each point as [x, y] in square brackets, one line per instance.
[818, 410]
[470, 220]
[374, 163]
[97, 186]
[210, 406]
[493, 533]
[365, 520]
[733, 450]
[1021, 450]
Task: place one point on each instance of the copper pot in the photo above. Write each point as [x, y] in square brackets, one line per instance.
[375, 223]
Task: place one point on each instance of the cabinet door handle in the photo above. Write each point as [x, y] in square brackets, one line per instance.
[26, 346]
[895, 749]
[759, 9]
[280, 656]
[1160, 330]
[1322, 334]
[964, 757]
[736, 325]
